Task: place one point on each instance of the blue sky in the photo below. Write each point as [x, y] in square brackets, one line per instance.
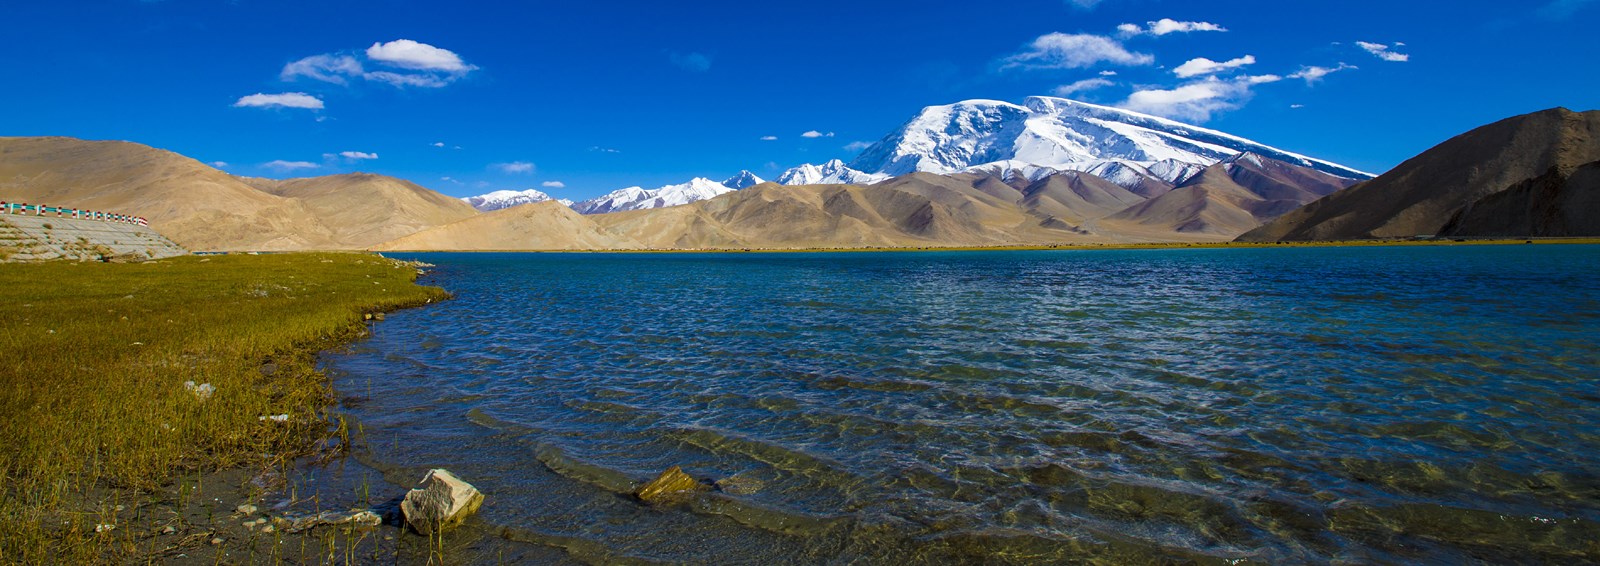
[468, 97]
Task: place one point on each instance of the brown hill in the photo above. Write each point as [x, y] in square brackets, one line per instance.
[202, 208]
[364, 210]
[1550, 205]
[197, 206]
[1226, 199]
[545, 225]
[1423, 195]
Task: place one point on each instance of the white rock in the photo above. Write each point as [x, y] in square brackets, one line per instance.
[444, 500]
[202, 391]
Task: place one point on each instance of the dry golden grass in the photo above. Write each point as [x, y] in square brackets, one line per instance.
[93, 361]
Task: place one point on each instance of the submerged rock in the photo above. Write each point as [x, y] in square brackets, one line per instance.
[357, 517]
[671, 485]
[741, 484]
[443, 501]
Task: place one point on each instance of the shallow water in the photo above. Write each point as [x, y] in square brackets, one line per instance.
[1432, 404]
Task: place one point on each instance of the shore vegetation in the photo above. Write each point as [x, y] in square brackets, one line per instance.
[120, 379]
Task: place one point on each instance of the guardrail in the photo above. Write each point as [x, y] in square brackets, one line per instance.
[42, 210]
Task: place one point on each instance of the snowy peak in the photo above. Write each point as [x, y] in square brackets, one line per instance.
[831, 173]
[637, 198]
[506, 199]
[1056, 133]
[742, 180]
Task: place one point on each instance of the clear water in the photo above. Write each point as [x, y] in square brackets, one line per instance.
[1405, 404]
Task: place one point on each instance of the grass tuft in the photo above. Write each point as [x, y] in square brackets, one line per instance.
[94, 357]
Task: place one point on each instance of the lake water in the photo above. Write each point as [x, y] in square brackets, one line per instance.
[1396, 404]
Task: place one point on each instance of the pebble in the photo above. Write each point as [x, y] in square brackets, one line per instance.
[169, 529]
[216, 541]
[246, 509]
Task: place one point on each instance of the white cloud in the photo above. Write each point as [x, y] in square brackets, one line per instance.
[1074, 51]
[1203, 66]
[282, 165]
[408, 54]
[1165, 26]
[1085, 4]
[219, 164]
[409, 79]
[1197, 101]
[1297, 106]
[604, 149]
[553, 185]
[424, 65]
[355, 155]
[696, 62]
[326, 68]
[1313, 73]
[816, 134]
[1382, 51]
[449, 180]
[857, 145]
[1081, 86]
[514, 167]
[769, 138]
[281, 100]
[1108, 73]
[438, 144]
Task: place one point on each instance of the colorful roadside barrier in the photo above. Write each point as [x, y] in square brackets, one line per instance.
[59, 212]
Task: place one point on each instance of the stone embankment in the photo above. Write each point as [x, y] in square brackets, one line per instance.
[36, 238]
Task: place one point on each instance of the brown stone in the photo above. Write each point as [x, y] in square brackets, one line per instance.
[671, 485]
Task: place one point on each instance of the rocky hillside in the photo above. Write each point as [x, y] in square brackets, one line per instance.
[1516, 177]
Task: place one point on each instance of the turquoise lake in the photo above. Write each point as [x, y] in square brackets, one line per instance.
[1435, 404]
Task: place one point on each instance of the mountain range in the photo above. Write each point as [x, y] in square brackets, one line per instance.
[1044, 135]
[997, 174]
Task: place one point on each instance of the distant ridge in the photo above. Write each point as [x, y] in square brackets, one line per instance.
[544, 225]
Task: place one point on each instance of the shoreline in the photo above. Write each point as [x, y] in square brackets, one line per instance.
[149, 466]
[1589, 240]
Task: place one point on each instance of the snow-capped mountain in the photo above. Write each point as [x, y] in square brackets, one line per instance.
[1060, 134]
[743, 180]
[507, 199]
[831, 173]
[635, 198]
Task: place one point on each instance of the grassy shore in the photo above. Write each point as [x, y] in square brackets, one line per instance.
[94, 360]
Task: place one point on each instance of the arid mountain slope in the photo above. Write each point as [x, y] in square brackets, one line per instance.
[202, 208]
[365, 210]
[1550, 205]
[1424, 194]
[547, 225]
[196, 206]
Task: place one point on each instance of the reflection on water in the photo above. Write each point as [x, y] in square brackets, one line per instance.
[1293, 405]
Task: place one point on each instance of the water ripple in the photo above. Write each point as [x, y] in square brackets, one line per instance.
[1312, 405]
